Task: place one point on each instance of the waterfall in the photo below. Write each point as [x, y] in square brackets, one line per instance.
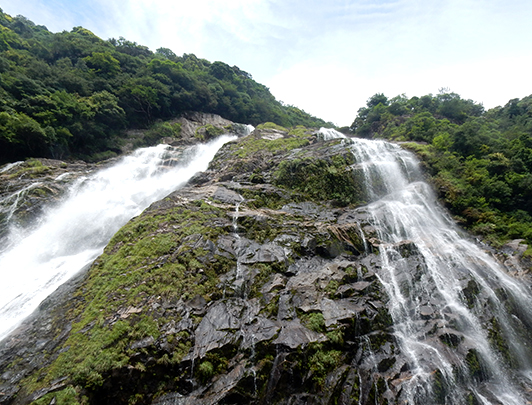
[72, 234]
[463, 323]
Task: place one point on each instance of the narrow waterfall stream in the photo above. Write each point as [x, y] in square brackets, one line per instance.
[70, 236]
[464, 324]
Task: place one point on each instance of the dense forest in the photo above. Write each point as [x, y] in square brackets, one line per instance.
[72, 94]
[480, 161]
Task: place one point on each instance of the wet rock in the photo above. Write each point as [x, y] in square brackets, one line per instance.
[293, 335]
[336, 310]
[219, 326]
[426, 311]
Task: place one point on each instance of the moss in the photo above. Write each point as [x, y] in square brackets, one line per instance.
[470, 293]
[528, 252]
[271, 125]
[336, 337]
[271, 309]
[314, 321]
[254, 145]
[475, 366]
[496, 338]
[450, 339]
[66, 396]
[160, 130]
[321, 179]
[331, 288]
[439, 387]
[205, 371]
[321, 362]
[376, 392]
[31, 168]
[152, 258]
[258, 229]
[256, 198]
[208, 131]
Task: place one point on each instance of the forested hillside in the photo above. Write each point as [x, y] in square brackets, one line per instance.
[480, 161]
[73, 94]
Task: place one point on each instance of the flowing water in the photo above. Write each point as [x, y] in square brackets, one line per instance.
[463, 324]
[71, 235]
[457, 292]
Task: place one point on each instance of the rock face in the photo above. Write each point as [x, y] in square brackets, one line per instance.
[257, 283]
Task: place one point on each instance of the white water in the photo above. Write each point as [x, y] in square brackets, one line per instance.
[403, 210]
[71, 235]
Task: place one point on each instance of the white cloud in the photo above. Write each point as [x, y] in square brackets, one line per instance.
[329, 57]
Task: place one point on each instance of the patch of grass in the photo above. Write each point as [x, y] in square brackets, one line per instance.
[253, 144]
[67, 396]
[314, 321]
[271, 125]
[322, 362]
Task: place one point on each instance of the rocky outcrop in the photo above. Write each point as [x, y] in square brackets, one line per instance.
[256, 283]
[26, 187]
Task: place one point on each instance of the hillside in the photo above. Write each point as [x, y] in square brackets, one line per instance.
[72, 94]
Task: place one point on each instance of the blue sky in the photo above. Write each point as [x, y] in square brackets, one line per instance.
[327, 57]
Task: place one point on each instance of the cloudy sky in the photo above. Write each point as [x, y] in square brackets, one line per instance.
[327, 56]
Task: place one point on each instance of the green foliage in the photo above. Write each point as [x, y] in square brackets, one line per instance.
[321, 179]
[205, 370]
[67, 396]
[271, 125]
[73, 94]
[322, 362]
[251, 145]
[314, 321]
[480, 162]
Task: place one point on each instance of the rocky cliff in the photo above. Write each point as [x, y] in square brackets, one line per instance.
[258, 283]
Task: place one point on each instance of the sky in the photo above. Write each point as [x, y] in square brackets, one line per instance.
[327, 57]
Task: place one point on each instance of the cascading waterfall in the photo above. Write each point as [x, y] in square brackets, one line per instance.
[462, 322]
[71, 235]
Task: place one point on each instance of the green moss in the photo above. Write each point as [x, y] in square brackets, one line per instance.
[205, 371]
[321, 362]
[332, 287]
[474, 364]
[32, 168]
[376, 392]
[256, 198]
[496, 338]
[439, 387]
[152, 258]
[336, 337]
[253, 145]
[271, 125]
[67, 396]
[470, 293]
[271, 309]
[321, 179]
[34, 163]
[260, 230]
[208, 131]
[314, 321]
[161, 130]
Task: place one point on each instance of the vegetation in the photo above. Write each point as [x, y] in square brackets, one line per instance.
[480, 161]
[127, 283]
[74, 94]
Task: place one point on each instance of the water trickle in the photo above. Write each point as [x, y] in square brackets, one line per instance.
[72, 234]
